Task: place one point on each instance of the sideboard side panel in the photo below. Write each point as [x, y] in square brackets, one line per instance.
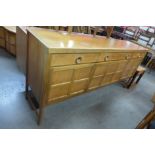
[21, 49]
[36, 66]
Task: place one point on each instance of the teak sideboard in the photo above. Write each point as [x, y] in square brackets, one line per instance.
[61, 65]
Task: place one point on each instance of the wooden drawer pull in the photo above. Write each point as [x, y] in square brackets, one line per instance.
[127, 57]
[78, 60]
[106, 58]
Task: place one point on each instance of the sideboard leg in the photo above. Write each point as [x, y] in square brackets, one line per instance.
[40, 115]
[26, 91]
[132, 80]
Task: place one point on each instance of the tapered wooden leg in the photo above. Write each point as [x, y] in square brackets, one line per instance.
[26, 91]
[40, 114]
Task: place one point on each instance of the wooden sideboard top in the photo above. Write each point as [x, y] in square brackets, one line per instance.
[61, 40]
[10, 28]
[23, 28]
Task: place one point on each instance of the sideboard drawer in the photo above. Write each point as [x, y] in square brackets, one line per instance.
[114, 56]
[69, 59]
[138, 55]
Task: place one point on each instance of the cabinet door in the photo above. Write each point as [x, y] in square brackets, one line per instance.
[68, 80]
[113, 72]
[11, 42]
[79, 86]
[98, 73]
[106, 73]
[131, 68]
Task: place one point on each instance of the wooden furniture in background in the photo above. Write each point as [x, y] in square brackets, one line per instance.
[100, 29]
[132, 32]
[147, 120]
[2, 37]
[109, 30]
[96, 30]
[59, 28]
[81, 29]
[8, 38]
[64, 65]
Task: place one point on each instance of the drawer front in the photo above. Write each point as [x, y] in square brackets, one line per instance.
[138, 55]
[114, 56]
[70, 59]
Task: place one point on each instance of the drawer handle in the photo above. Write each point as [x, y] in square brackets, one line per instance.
[106, 58]
[78, 60]
[127, 57]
